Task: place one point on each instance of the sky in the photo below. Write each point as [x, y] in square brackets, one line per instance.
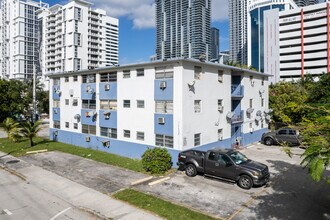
[137, 25]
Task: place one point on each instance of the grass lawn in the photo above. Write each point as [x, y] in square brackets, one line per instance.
[158, 206]
[20, 149]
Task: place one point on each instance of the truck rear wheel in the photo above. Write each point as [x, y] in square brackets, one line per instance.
[245, 182]
[268, 141]
[191, 170]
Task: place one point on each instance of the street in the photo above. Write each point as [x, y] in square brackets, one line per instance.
[21, 200]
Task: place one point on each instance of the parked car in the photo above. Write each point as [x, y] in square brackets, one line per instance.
[282, 135]
[226, 164]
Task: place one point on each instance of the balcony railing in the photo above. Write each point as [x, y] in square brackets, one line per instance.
[237, 91]
[237, 117]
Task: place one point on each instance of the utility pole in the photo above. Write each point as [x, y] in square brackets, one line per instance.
[34, 94]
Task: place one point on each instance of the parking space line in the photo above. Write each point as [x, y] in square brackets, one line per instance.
[60, 213]
[141, 180]
[245, 205]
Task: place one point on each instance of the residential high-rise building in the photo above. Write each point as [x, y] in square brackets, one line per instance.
[215, 43]
[183, 28]
[256, 28]
[303, 3]
[76, 37]
[238, 31]
[19, 52]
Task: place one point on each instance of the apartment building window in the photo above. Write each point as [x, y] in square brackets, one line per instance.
[164, 107]
[57, 124]
[108, 77]
[88, 129]
[108, 104]
[66, 79]
[56, 103]
[67, 124]
[88, 104]
[66, 101]
[197, 106]
[126, 74]
[109, 132]
[140, 72]
[163, 72]
[197, 139]
[127, 133]
[77, 13]
[262, 102]
[220, 76]
[197, 72]
[89, 78]
[140, 103]
[75, 125]
[75, 102]
[76, 26]
[75, 78]
[127, 104]
[140, 135]
[251, 103]
[77, 39]
[164, 140]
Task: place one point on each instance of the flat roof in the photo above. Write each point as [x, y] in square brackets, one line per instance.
[155, 63]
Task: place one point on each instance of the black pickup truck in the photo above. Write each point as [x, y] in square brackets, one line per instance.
[226, 164]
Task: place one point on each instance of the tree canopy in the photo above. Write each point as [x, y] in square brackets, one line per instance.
[305, 105]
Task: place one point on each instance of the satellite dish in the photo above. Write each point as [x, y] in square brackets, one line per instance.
[258, 118]
[250, 110]
[230, 115]
[267, 111]
[258, 113]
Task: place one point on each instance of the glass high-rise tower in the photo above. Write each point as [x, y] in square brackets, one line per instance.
[183, 28]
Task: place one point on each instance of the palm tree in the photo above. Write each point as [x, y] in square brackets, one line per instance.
[30, 130]
[11, 128]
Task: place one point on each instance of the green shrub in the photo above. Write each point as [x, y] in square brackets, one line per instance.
[156, 160]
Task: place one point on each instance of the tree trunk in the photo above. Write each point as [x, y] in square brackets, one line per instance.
[31, 142]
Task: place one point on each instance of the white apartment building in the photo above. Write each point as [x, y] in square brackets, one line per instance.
[178, 104]
[19, 38]
[76, 37]
[296, 42]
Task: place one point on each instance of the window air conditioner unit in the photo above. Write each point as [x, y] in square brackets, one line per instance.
[55, 133]
[87, 138]
[106, 87]
[161, 120]
[71, 92]
[220, 108]
[252, 83]
[163, 85]
[106, 143]
[251, 130]
[220, 138]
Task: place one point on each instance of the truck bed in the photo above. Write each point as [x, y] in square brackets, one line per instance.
[196, 155]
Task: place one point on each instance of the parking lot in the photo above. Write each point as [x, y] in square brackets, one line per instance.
[291, 194]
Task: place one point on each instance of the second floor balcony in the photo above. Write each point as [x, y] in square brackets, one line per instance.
[237, 91]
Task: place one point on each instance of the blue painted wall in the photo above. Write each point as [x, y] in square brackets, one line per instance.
[167, 128]
[88, 120]
[122, 148]
[249, 138]
[85, 94]
[166, 94]
[109, 123]
[57, 116]
[55, 95]
[108, 95]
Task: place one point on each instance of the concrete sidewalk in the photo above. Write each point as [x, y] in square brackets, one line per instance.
[73, 193]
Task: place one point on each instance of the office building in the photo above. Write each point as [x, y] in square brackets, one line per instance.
[296, 42]
[19, 34]
[303, 3]
[178, 104]
[256, 28]
[215, 43]
[183, 29]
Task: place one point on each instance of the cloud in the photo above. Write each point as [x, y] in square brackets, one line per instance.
[142, 12]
